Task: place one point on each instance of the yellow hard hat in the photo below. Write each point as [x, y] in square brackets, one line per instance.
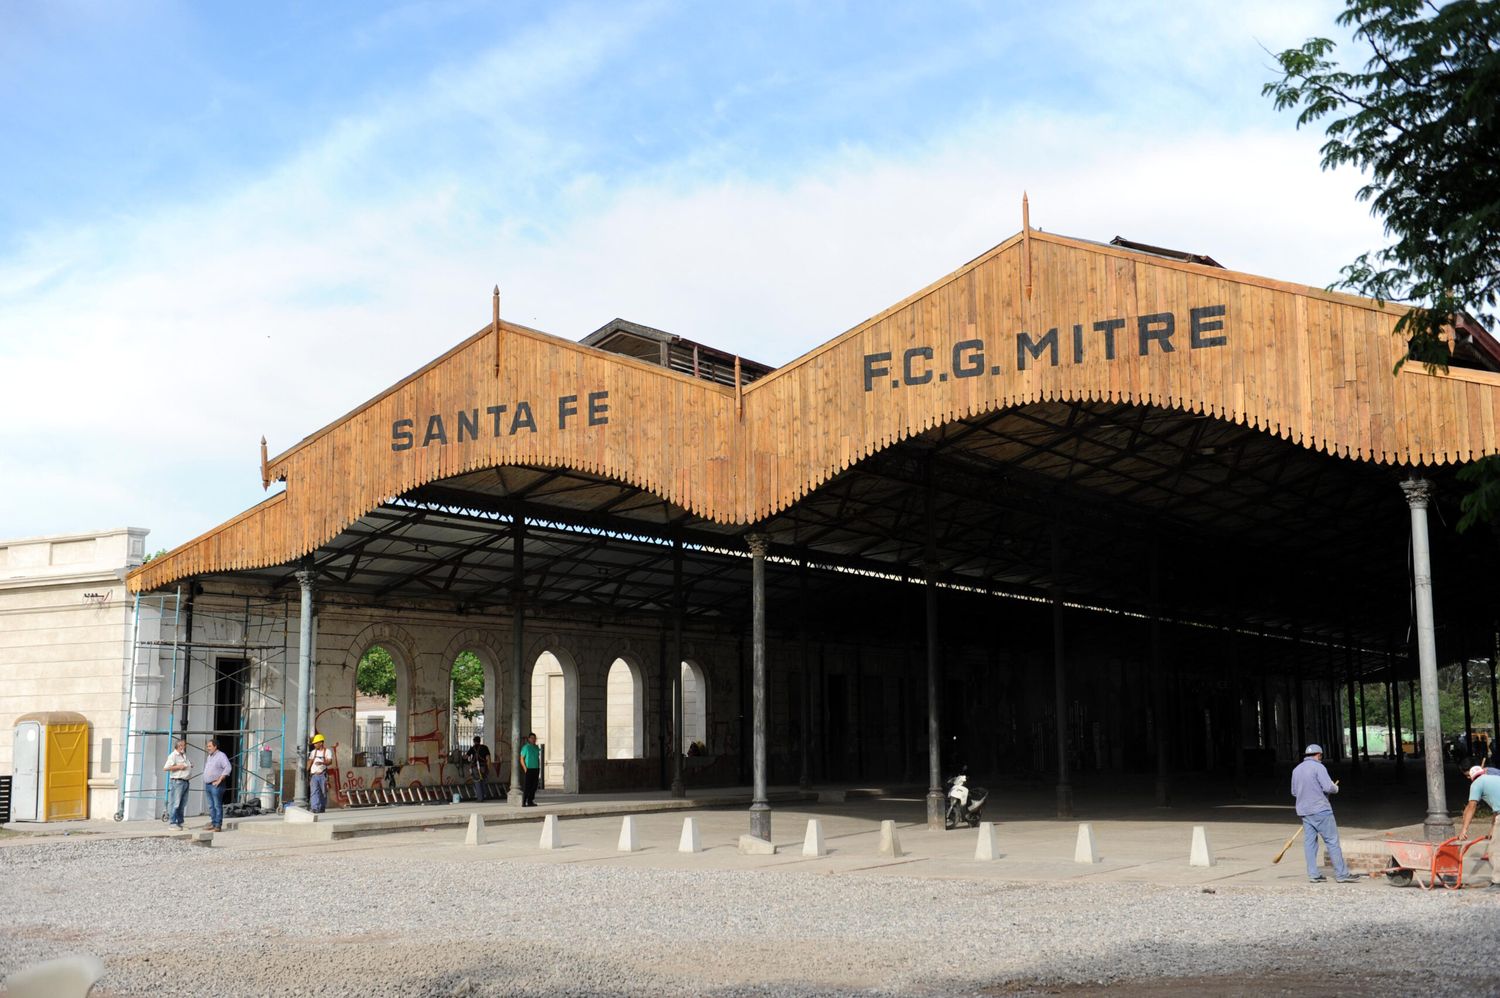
[317, 738]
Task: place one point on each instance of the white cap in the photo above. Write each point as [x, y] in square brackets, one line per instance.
[1475, 772]
[1313, 749]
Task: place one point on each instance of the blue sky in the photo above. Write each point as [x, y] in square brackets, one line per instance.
[218, 221]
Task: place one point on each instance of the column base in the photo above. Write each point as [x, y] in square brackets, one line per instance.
[1163, 792]
[678, 790]
[1438, 827]
[935, 802]
[1064, 800]
[760, 820]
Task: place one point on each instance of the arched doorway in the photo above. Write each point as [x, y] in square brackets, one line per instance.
[624, 711]
[694, 709]
[380, 681]
[554, 717]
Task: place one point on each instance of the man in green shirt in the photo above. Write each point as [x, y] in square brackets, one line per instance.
[531, 770]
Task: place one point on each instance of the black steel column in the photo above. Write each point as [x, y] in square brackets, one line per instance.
[1396, 713]
[664, 716]
[1364, 721]
[804, 774]
[934, 745]
[1267, 707]
[1463, 665]
[1158, 684]
[676, 669]
[1060, 680]
[1494, 712]
[744, 692]
[518, 648]
[1392, 704]
[1239, 708]
[934, 729]
[1411, 703]
[859, 709]
[760, 808]
[1297, 678]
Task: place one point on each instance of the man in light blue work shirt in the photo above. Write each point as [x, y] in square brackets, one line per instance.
[1485, 786]
[215, 772]
[1311, 787]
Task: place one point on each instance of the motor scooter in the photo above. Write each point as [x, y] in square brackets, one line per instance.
[964, 802]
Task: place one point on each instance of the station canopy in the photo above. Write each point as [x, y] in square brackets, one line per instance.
[1056, 415]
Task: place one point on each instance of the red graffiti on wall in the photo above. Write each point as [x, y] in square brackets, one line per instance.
[419, 733]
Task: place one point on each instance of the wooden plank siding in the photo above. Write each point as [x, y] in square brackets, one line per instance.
[1309, 366]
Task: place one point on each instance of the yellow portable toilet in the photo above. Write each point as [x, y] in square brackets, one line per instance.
[50, 765]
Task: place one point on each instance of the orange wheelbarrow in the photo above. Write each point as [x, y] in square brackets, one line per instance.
[1442, 863]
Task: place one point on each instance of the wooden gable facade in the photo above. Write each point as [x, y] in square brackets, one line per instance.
[1038, 318]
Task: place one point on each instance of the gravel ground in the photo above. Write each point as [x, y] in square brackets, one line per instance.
[173, 919]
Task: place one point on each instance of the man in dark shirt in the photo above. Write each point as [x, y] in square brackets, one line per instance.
[478, 758]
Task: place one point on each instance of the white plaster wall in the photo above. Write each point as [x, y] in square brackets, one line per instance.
[62, 651]
[624, 712]
[694, 707]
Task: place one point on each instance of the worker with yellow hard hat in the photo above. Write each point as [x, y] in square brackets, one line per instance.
[318, 761]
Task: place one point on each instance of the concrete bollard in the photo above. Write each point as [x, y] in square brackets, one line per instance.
[628, 840]
[812, 843]
[1201, 854]
[1087, 850]
[551, 834]
[890, 841]
[752, 846]
[988, 846]
[689, 841]
[475, 835]
[66, 977]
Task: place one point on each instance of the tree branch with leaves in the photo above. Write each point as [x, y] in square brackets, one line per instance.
[1421, 119]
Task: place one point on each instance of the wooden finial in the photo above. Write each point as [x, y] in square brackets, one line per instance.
[265, 473]
[1026, 238]
[495, 325]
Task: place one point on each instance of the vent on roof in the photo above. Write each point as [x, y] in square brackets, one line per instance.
[1169, 254]
[683, 356]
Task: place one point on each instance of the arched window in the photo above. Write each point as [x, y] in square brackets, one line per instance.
[466, 700]
[694, 710]
[624, 712]
[375, 693]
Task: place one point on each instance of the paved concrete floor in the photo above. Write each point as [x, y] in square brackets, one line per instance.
[1137, 841]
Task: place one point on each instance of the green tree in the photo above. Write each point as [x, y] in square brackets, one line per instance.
[1421, 118]
[376, 675]
[468, 683]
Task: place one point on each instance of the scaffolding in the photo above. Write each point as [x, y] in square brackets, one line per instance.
[197, 671]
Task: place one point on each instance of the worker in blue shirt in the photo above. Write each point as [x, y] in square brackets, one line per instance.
[1311, 787]
[1485, 786]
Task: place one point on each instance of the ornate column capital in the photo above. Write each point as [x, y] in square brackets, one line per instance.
[1418, 492]
[759, 544]
[305, 577]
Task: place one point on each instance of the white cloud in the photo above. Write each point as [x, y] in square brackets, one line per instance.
[144, 356]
